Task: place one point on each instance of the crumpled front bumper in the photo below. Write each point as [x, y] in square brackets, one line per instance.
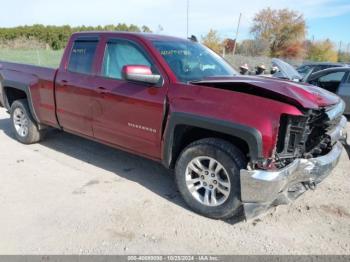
[261, 189]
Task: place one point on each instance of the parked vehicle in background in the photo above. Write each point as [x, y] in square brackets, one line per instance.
[285, 71]
[310, 68]
[233, 140]
[335, 80]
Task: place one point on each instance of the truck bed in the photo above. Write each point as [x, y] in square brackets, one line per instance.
[37, 83]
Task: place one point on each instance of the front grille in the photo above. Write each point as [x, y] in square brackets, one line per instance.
[306, 136]
[292, 136]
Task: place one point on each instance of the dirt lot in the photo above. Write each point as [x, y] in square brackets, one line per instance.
[72, 196]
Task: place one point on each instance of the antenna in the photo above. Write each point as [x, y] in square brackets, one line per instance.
[188, 14]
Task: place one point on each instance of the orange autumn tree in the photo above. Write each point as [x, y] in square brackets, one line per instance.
[213, 41]
[322, 51]
[283, 29]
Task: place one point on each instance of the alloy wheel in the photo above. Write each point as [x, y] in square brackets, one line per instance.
[20, 121]
[208, 181]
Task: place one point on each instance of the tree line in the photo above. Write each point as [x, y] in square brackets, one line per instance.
[56, 37]
[279, 33]
[275, 33]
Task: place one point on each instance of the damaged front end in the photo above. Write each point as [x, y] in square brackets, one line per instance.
[308, 148]
[309, 136]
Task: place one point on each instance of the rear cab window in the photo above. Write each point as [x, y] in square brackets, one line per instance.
[82, 56]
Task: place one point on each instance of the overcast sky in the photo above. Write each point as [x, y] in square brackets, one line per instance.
[325, 18]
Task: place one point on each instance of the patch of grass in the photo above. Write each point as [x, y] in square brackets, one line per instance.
[42, 57]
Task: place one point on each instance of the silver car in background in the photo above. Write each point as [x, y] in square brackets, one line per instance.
[335, 80]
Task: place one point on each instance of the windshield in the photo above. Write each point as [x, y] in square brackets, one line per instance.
[304, 70]
[191, 61]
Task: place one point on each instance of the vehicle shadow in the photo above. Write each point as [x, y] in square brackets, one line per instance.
[147, 173]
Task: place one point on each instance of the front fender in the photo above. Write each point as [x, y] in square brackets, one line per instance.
[250, 135]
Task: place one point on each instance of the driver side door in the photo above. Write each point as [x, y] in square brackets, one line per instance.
[128, 114]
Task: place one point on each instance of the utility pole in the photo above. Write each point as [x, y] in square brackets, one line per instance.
[236, 39]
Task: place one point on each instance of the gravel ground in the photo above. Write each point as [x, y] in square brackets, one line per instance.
[68, 195]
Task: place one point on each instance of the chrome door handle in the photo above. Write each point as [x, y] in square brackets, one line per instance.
[64, 83]
[101, 90]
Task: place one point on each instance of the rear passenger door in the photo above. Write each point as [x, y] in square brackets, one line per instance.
[75, 85]
[128, 114]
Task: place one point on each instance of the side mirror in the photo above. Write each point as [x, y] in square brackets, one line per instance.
[140, 73]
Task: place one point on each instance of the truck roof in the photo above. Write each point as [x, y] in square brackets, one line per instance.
[146, 36]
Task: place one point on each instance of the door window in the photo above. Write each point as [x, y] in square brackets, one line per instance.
[331, 81]
[82, 57]
[348, 80]
[119, 53]
[332, 77]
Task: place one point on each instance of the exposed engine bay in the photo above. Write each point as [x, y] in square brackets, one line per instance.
[308, 136]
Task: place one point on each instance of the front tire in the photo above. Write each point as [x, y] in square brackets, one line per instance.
[208, 177]
[24, 126]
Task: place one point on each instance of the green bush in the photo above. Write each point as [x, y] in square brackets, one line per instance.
[56, 37]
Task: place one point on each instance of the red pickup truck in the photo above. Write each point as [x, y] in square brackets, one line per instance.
[233, 141]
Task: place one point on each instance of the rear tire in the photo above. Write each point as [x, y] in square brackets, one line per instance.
[24, 126]
[207, 174]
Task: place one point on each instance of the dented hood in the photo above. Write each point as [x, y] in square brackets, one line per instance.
[299, 94]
